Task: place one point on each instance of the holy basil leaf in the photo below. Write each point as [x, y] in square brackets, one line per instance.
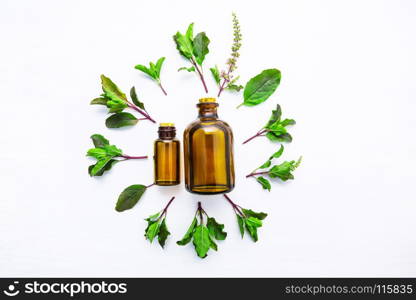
[287, 122]
[216, 74]
[252, 224]
[190, 69]
[158, 66]
[278, 153]
[163, 233]
[99, 101]
[283, 171]
[275, 117]
[111, 90]
[135, 99]
[240, 222]
[152, 230]
[130, 196]
[97, 153]
[100, 166]
[184, 42]
[188, 235]
[258, 215]
[234, 87]
[112, 150]
[146, 70]
[103, 169]
[213, 245]
[99, 141]
[285, 137]
[120, 120]
[200, 47]
[153, 217]
[201, 240]
[216, 230]
[259, 88]
[264, 183]
[265, 165]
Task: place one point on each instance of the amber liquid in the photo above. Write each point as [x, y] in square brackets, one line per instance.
[208, 149]
[167, 163]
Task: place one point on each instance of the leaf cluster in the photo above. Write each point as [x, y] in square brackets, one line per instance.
[202, 232]
[192, 48]
[249, 221]
[276, 127]
[104, 153]
[156, 227]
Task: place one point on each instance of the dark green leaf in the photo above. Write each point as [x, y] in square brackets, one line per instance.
[188, 235]
[213, 245]
[103, 169]
[216, 74]
[286, 137]
[120, 120]
[152, 230]
[163, 233]
[264, 183]
[129, 197]
[200, 47]
[240, 222]
[250, 213]
[111, 90]
[275, 117]
[259, 88]
[135, 99]
[184, 42]
[99, 141]
[201, 240]
[99, 101]
[216, 230]
[190, 69]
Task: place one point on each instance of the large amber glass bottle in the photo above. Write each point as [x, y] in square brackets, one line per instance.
[166, 156]
[208, 149]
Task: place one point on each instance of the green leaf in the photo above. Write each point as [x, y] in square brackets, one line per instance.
[240, 222]
[158, 66]
[120, 120]
[216, 74]
[250, 213]
[234, 87]
[97, 153]
[287, 122]
[163, 233]
[111, 90]
[152, 230]
[99, 141]
[265, 165]
[200, 47]
[283, 171]
[285, 137]
[103, 169]
[252, 224]
[153, 217]
[99, 101]
[116, 106]
[201, 240]
[264, 183]
[112, 150]
[259, 88]
[135, 99]
[278, 153]
[129, 197]
[188, 235]
[190, 69]
[275, 117]
[216, 230]
[144, 69]
[213, 245]
[184, 42]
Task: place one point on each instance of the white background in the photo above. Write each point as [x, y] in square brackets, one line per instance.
[348, 71]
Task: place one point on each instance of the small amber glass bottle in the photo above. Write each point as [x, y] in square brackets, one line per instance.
[208, 150]
[166, 156]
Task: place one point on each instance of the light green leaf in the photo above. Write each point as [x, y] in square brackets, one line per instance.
[120, 120]
[105, 168]
[144, 69]
[152, 230]
[163, 233]
[99, 141]
[264, 183]
[99, 167]
[97, 153]
[190, 69]
[234, 87]
[184, 42]
[265, 165]
[200, 47]
[135, 99]
[275, 117]
[213, 245]
[111, 90]
[153, 217]
[188, 235]
[158, 67]
[251, 225]
[201, 240]
[112, 150]
[259, 88]
[279, 152]
[283, 171]
[216, 230]
[130, 196]
[216, 74]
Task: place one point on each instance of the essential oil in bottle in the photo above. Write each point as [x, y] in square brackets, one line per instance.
[166, 156]
[208, 150]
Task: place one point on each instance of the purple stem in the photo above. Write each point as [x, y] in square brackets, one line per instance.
[201, 76]
[132, 106]
[256, 173]
[256, 135]
[223, 83]
[164, 211]
[150, 185]
[163, 90]
[133, 157]
[235, 206]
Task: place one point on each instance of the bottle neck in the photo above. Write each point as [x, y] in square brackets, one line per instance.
[207, 110]
[167, 133]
